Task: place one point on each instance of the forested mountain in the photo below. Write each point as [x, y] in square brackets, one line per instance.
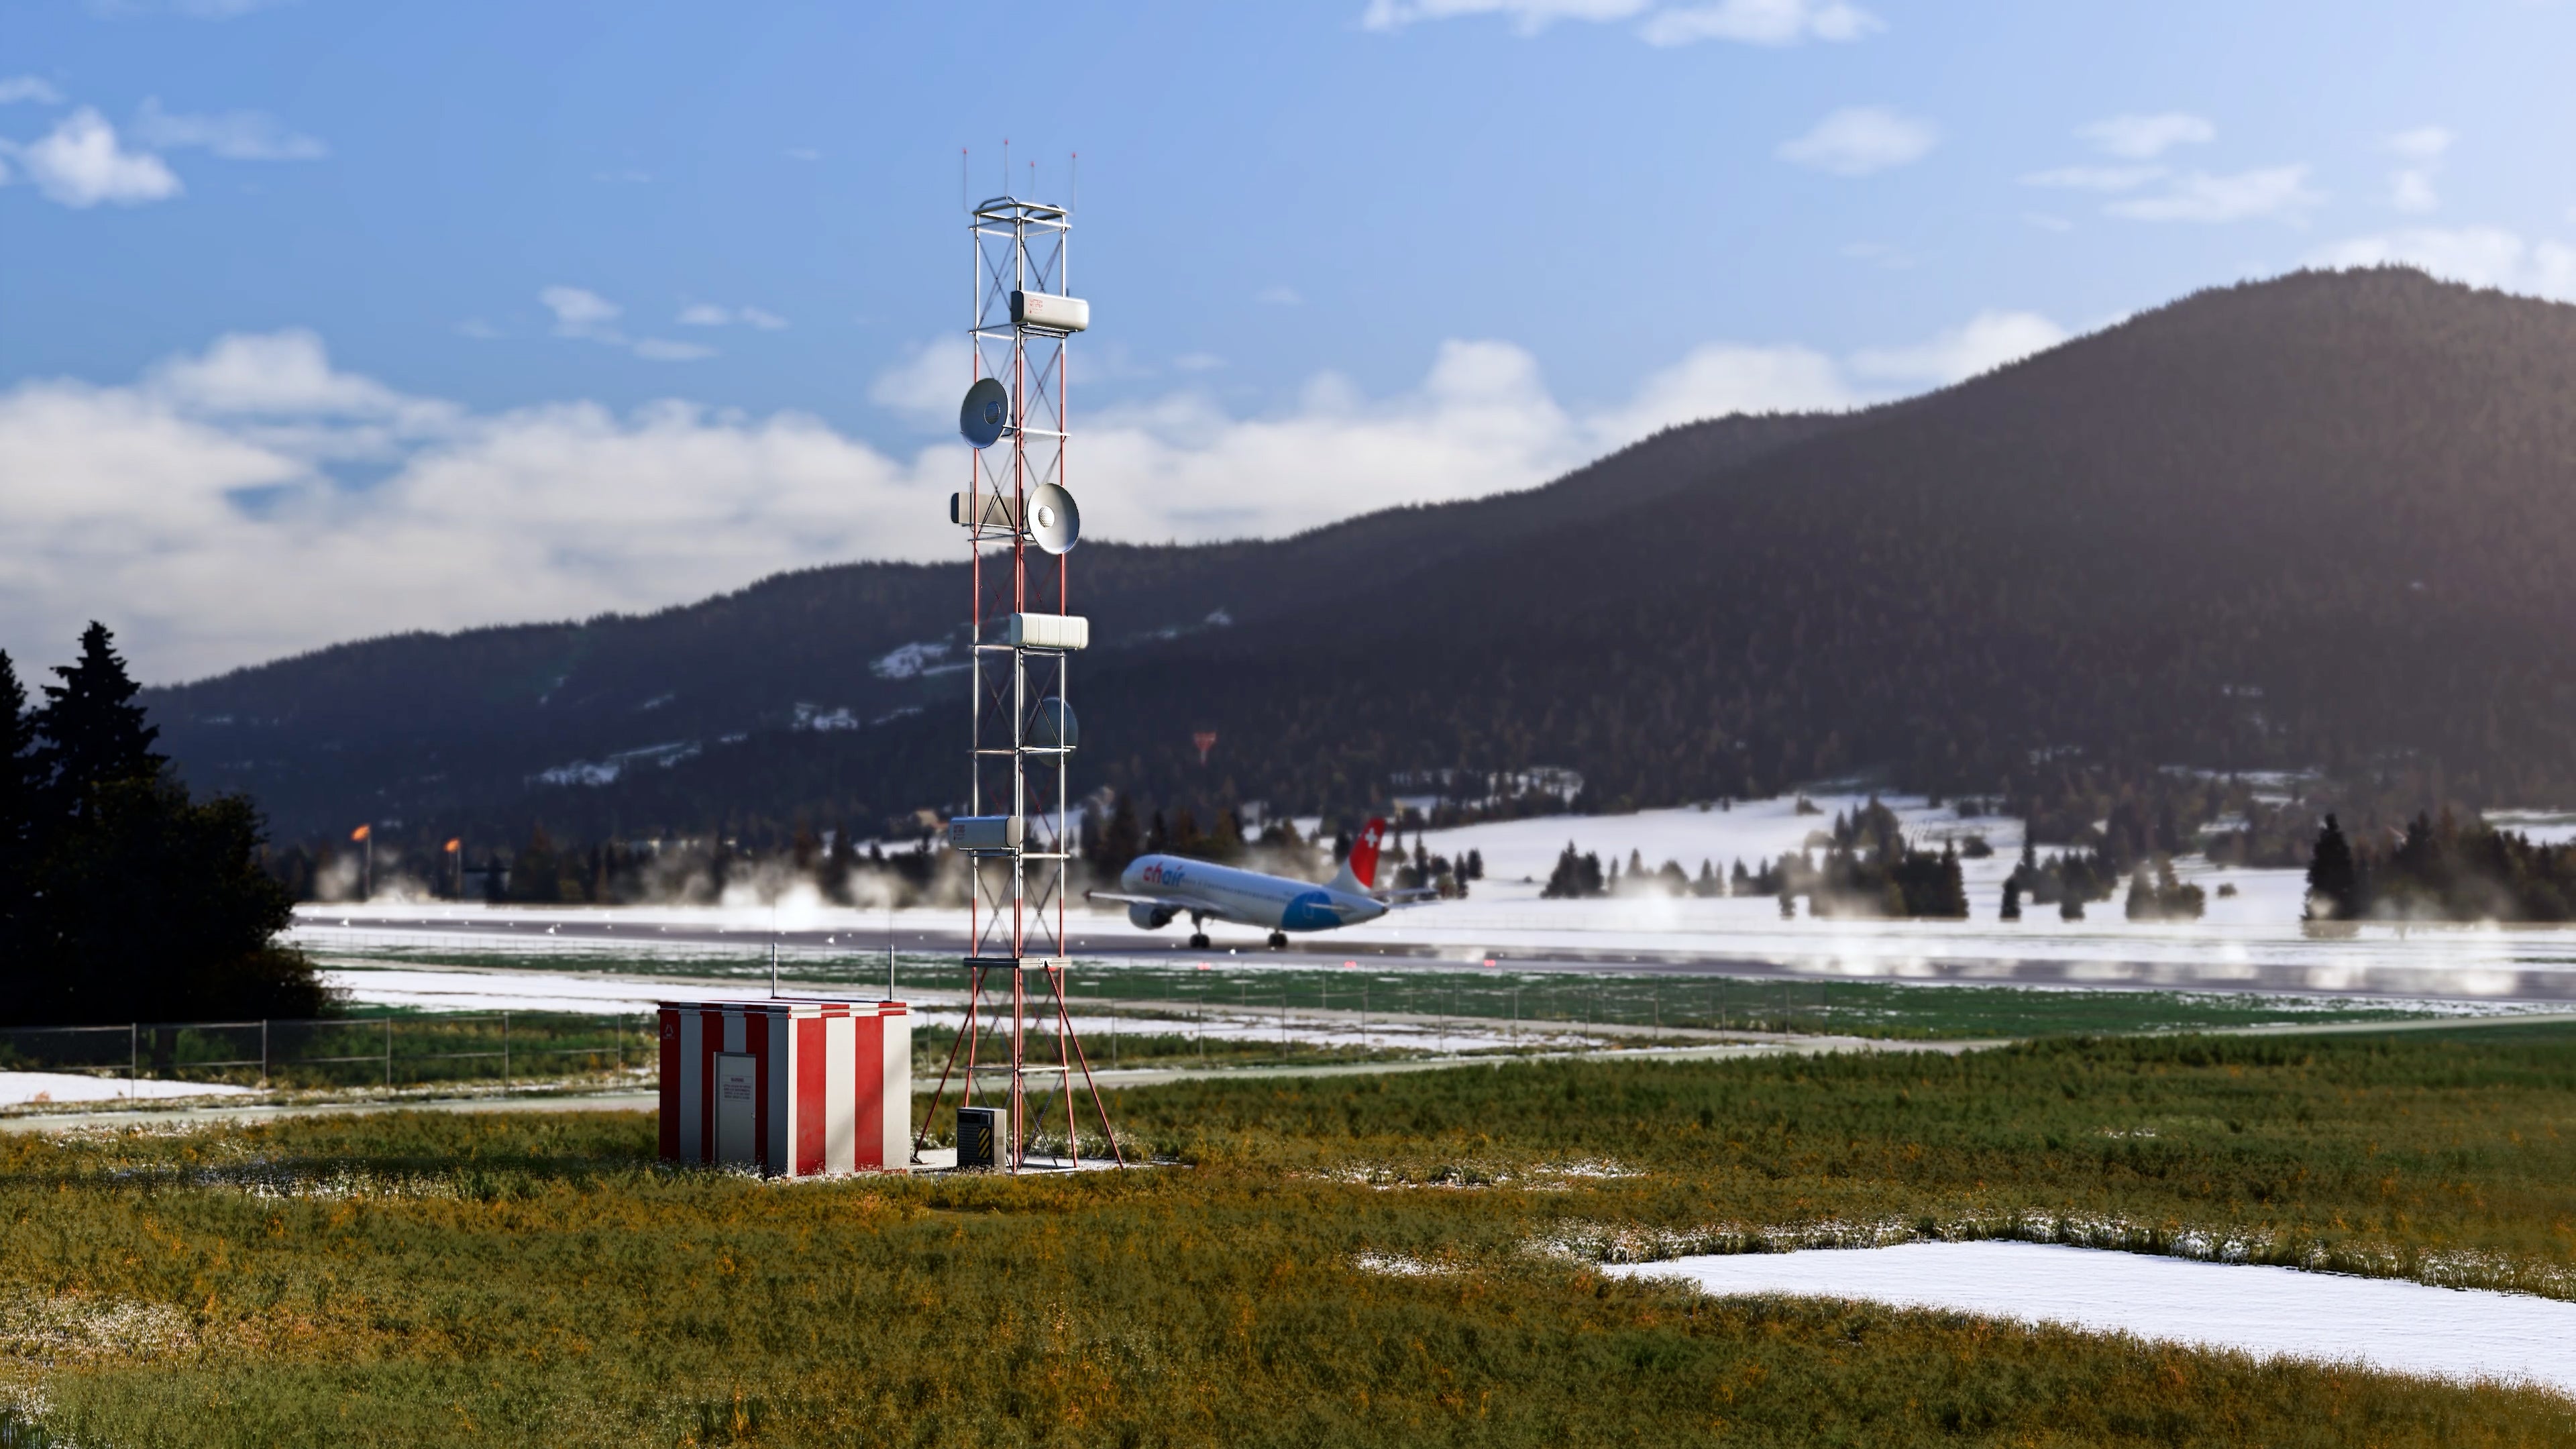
[2319, 521]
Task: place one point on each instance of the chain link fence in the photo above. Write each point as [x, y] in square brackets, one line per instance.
[507, 1050]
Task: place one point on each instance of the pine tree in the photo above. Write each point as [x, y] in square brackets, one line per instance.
[94, 731]
[20, 803]
[1123, 841]
[2334, 882]
[2012, 899]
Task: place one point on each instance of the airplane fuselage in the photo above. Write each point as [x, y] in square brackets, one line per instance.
[1249, 897]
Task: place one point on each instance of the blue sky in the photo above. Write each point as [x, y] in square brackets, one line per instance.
[323, 318]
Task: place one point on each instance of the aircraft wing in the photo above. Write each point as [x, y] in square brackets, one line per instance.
[1128, 900]
[1124, 899]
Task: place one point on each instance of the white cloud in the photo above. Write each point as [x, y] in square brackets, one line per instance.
[2410, 188]
[1858, 140]
[1988, 341]
[2424, 143]
[580, 312]
[2412, 191]
[80, 163]
[17, 88]
[2046, 222]
[2278, 191]
[1759, 22]
[233, 135]
[2095, 178]
[1198, 362]
[591, 317]
[1279, 295]
[708, 314]
[1750, 22]
[135, 503]
[2482, 256]
[928, 386]
[1719, 379]
[803, 153]
[2139, 138]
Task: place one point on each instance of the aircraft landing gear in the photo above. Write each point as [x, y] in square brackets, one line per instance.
[1279, 940]
[1198, 940]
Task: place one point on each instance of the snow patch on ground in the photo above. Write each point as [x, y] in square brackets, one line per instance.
[2463, 1334]
[18, 1089]
[909, 661]
[604, 772]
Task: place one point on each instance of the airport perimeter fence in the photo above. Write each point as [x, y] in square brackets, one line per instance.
[507, 1050]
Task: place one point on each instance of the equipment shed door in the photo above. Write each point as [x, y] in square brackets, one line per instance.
[737, 1109]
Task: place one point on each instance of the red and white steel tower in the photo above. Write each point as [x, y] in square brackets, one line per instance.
[1018, 836]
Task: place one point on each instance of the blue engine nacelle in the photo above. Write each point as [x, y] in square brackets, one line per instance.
[1151, 918]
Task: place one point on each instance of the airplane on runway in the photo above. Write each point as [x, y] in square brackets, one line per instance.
[1155, 888]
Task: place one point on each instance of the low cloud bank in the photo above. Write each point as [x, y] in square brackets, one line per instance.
[252, 500]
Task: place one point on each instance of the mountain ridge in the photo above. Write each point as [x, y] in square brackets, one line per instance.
[2316, 520]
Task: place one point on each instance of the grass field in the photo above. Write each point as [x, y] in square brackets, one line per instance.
[427, 1279]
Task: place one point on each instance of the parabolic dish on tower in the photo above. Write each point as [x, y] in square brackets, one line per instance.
[1054, 521]
[985, 413]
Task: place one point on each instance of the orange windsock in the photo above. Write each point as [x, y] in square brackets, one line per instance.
[454, 846]
[361, 832]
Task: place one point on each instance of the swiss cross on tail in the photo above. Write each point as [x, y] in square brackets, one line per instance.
[1359, 873]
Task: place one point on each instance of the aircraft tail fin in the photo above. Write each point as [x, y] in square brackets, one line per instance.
[1359, 872]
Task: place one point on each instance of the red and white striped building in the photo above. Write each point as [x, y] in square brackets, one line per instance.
[794, 1088]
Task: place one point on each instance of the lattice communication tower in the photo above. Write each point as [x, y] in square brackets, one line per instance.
[1018, 837]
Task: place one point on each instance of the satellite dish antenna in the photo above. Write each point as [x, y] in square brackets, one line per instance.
[1054, 521]
[1054, 727]
[986, 412]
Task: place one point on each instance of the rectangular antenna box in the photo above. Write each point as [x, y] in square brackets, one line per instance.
[985, 832]
[1047, 631]
[1049, 313]
[792, 1088]
[983, 1137]
[989, 511]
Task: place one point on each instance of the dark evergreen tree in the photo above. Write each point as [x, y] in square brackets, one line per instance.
[20, 803]
[157, 906]
[2334, 881]
[1123, 840]
[93, 730]
[2012, 899]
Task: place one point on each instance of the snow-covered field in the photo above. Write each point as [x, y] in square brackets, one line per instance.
[2452, 1333]
[2252, 938]
[18, 1089]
